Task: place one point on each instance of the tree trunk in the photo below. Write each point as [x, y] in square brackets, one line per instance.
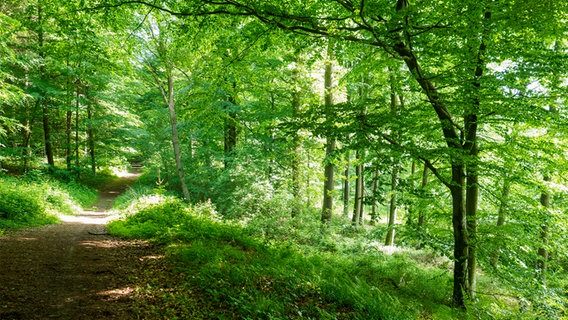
[472, 193]
[346, 185]
[47, 134]
[358, 192]
[389, 240]
[77, 107]
[375, 190]
[230, 132]
[461, 239]
[542, 262]
[68, 138]
[27, 136]
[471, 149]
[456, 185]
[423, 183]
[91, 138]
[175, 140]
[362, 193]
[328, 186]
[296, 186]
[43, 99]
[501, 214]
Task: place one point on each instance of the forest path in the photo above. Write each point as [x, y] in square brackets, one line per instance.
[73, 270]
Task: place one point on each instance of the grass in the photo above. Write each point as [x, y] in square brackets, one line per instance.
[36, 199]
[224, 270]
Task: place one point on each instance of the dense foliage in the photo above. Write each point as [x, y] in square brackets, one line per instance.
[437, 126]
[238, 274]
[36, 199]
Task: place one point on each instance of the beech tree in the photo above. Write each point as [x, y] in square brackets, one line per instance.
[445, 49]
[474, 81]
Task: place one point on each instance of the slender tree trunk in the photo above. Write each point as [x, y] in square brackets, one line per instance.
[43, 99]
[91, 138]
[362, 192]
[68, 120]
[27, 136]
[471, 149]
[389, 240]
[501, 213]
[542, 262]
[327, 205]
[77, 108]
[375, 190]
[346, 185]
[543, 254]
[175, 139]
[421, 212]
[68, 138]
[47, 133]
[296, 186]
[358, 192]
[230, 134]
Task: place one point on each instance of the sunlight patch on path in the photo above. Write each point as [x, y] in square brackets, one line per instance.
[87, 217]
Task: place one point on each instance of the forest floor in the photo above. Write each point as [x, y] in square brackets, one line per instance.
[74, 270]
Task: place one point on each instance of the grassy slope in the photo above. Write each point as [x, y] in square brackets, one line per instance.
[35, 200]
[226, 271]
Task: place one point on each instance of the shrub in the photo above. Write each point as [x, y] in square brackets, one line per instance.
[35, 199]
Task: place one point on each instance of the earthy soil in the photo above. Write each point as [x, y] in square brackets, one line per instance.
[74, 270]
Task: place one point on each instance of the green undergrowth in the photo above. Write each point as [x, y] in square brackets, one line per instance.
[35, 199]
[229, 272]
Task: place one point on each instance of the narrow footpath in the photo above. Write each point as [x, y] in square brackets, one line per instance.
[73, 270]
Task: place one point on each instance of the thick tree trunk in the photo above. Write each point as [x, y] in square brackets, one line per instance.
[472, 193]
[457, 183]
[461, 239]
[328, 186]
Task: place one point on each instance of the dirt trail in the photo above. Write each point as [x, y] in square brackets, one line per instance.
[72, 270]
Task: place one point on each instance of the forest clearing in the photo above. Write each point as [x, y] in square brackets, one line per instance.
[302, 159]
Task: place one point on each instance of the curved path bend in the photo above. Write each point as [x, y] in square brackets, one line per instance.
[73, 270]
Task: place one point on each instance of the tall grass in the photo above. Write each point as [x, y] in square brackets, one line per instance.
[235, 272]
[36, 199]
